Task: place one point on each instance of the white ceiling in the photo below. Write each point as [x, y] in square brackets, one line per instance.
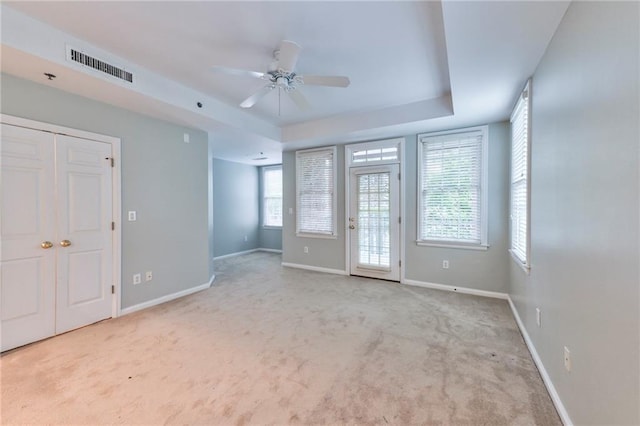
[414, 66]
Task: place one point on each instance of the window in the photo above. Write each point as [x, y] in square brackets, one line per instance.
[519, 205]
[272, 196]
[452, 200]
[385, 151]
[315, 192]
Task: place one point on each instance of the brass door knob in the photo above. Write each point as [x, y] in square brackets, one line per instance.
[65, 243]
[352, 227]
[46, 244]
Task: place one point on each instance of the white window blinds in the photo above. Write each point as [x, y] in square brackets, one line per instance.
[519, 177]
[452, 180]
[272, 196]
[315, 191]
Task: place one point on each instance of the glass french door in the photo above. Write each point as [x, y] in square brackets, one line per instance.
[374, 222]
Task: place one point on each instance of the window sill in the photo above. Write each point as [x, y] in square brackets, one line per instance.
[480, 247]
[279, 228]
[526, 268]
[322, 236]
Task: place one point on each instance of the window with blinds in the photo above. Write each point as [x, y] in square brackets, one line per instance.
[315, 192]
[272, 196]
[519, 204]
[452, 180]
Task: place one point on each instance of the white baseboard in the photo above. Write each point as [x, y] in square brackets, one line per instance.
[464, 290]
[167, 298]
[238, 253]
[562, 411]
[314, 268]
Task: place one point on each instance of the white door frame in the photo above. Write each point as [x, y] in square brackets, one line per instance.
[348, 149]
[117, 189]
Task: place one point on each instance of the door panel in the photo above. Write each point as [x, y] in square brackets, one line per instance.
[374, 222]
[28, 215]
[84, 276]
[21, 279]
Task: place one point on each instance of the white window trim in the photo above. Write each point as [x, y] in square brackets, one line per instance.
[385, 143]
[524, 264]
[525, 267]
[334, 213]
[264, 170]
[445, 244]
[484, 193]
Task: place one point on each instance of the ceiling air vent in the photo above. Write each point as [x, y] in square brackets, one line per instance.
[91, 62]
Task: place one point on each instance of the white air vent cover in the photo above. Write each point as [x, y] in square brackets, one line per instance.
[75, 55]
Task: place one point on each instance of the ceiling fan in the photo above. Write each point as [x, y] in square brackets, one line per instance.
[282, 75]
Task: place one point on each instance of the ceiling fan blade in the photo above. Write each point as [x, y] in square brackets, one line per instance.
[299, 99]
[325, 80]
[288, 58]
[235, 71]
[251, 100]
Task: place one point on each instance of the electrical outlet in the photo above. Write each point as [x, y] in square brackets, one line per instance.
[538, 317]
[445, 264]
[132, 216]
[306, 249]
[186, 138]
[148, 276]
[137, 279]
[567, 359]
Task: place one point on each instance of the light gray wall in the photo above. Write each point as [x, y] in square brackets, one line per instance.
[163, 179]
[269, 238]
[482, 270]
[584, 218]
[235, 207]
[323, 252]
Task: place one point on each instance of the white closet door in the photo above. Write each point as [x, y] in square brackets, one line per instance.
[84, 205]
[27, 225]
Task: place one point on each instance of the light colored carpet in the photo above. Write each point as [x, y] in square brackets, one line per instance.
[272, 345]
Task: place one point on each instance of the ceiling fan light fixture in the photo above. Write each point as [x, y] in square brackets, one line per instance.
[282, 82]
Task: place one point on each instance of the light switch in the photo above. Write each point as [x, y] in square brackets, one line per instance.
[132, 216]
[186, 138]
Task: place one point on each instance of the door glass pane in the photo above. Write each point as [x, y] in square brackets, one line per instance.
[373, 219]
